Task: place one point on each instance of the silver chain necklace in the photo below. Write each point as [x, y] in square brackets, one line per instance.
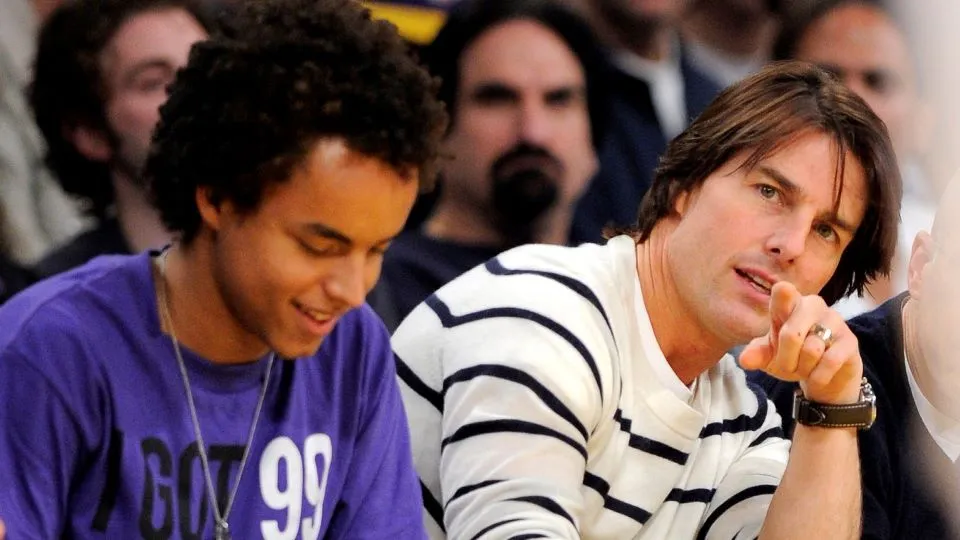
[221, 527]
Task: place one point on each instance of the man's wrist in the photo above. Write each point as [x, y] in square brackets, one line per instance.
[848, 395]
[860, 414]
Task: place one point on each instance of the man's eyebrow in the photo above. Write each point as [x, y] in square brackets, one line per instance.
[136, 70]
[794, 191]
[492, 90]
[566, 91]
[329, 233]
[788, 186]
[323, 231]
[841, 223]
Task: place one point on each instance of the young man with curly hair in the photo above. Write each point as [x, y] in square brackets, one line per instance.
[235, 381]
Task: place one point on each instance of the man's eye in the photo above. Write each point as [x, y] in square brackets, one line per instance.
[767, 192]
[315, 251]
[826, 232]
[152, 84]
[878, 81]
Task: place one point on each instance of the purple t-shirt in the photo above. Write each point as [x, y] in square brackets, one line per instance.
[96, 439]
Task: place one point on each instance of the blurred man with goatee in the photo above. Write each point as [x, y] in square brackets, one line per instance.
[520, 82]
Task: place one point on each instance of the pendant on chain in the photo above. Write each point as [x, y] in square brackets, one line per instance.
[222, 531]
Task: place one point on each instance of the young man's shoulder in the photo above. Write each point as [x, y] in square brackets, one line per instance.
[66, 334]
[104, 292]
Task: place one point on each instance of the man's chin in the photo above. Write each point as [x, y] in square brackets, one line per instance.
[301, 350]
[752, 327]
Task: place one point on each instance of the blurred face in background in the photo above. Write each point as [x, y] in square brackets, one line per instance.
[869, 53]
[137, 65]
[520, 139]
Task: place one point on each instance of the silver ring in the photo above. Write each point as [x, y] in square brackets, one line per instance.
[824, 333]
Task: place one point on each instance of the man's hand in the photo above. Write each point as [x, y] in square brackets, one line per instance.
[827, 372]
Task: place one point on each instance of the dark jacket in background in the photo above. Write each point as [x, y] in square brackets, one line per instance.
[106, 239]
[631, 148]
[12, 279]
[416, 266]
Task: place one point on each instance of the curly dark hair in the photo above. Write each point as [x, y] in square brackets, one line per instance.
[252, 102]
[761, 115]
[68, 89]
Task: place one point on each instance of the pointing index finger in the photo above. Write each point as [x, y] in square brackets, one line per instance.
[784, 299]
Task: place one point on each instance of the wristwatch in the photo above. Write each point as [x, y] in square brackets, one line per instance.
[860, 415]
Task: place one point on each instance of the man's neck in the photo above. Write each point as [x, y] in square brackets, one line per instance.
[689, 349]
[451, 223]
[201, 319]
[139, 221]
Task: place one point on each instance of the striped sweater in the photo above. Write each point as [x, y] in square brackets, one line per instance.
[536, 410]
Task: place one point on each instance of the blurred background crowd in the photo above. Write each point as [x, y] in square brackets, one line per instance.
[79, 95]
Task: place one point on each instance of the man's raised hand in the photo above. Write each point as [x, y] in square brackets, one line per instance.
[795, 350]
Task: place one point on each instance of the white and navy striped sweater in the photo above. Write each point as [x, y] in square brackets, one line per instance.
[535, 413]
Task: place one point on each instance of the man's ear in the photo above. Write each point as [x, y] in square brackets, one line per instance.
[682, 201]
[209, 207]
[920, 255]
[91, 143]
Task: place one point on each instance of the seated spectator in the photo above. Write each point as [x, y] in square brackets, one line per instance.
[519, 78]
[585, 392]
[38, 215]
[117, 57]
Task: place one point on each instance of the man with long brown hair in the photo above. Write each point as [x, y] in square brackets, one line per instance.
[586, 392]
